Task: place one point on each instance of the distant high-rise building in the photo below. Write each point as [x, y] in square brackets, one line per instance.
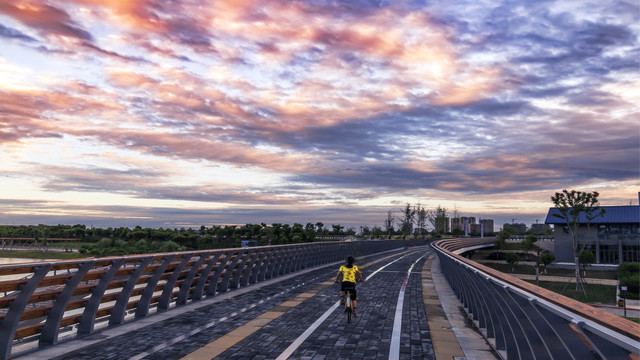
[459, 223]
[519, 228]
[488, 225]
[456, 224]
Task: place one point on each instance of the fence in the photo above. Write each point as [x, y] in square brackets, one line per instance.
[42, 300]
[523, 321]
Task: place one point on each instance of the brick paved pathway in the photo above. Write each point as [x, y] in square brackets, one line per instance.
[262, 323]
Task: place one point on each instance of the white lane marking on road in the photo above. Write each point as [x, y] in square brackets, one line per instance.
[377, 271]
[394, 349]
[297, 342]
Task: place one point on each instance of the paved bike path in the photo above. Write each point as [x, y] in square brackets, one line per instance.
[262, 323]
[368, 336]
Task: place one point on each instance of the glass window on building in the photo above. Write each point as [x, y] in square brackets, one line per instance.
[630, 253]
[603, 232]
[609, 254]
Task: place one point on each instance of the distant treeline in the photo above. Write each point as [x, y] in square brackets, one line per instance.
[123, 240]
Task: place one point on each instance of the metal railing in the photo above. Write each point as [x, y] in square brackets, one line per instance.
[523, 321]
[45, 299]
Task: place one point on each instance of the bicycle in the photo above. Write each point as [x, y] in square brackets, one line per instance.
[347, 306]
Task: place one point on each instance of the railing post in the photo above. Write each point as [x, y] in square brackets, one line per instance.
[12, 318]
[147, 294]
[167, 292]
[51, 328]
[183, 295]
[120, 308]
[198, 291]
[85, 325]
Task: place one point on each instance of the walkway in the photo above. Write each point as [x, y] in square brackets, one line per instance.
[298, 317]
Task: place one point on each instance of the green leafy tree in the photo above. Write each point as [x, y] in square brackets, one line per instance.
[586, 259]
[408, 214]
[438, 220]
[573, 206]
[546, 259]
[421, 220]
[457, 232]
[500, 243]
[528, 244]
[512, 259]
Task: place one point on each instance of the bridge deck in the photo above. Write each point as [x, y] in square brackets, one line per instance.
[290, 317]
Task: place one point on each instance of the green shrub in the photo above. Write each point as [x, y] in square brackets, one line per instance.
[105, 243]
[628, 268]
[512, 259]
[629, 276]
[169, 246]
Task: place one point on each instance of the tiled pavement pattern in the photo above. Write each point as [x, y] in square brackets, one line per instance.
[367, 337]
[369, 334]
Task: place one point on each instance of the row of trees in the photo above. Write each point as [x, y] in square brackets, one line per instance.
[123, 240]
[417, 218]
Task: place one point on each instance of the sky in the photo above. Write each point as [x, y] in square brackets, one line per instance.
[166, 113]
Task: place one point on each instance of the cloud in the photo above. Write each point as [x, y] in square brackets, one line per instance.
[308, 104]
[47, 19]
[10, 33]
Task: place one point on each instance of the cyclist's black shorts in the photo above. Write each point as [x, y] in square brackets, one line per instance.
[351, 286]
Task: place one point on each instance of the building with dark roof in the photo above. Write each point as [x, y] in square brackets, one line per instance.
[613, 237]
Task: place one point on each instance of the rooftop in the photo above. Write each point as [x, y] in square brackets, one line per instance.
[612, 215]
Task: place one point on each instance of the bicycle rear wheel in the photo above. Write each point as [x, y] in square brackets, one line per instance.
[348, 308]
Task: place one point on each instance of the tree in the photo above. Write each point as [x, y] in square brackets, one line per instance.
[310, 231]
[546, 259]
[500, 243]
[574, 207]
[586, 259]
[421, 220]
[438, 220]
[512, 259]
[337, 229]
[407, 220]
[529, 244]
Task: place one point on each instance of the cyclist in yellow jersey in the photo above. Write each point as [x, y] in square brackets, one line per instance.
[349, 273]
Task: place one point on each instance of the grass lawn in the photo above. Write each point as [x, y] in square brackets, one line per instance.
[528, 269]
[44, 255]
[596, 294]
